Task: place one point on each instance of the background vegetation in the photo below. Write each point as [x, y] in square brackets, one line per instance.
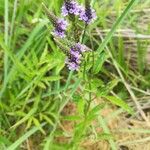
[43, 104]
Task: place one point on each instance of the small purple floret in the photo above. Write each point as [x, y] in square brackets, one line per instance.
[87, 15]
[60, 28]
[74, 60]
[74, 66]
[71, 7]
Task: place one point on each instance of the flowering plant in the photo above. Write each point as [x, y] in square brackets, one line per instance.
[72, 11]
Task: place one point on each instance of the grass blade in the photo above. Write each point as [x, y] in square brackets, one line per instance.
[117, 23]
[24, 137]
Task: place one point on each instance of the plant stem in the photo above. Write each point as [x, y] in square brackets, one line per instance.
[90, 99]
[82, 39]
[90, 77]
[83, 35]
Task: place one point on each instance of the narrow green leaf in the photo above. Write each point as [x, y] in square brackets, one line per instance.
[119, 102]
[116, 24]
[37, 124]
[81, 106]
[23, 138]
[96, 109]
[99, 63]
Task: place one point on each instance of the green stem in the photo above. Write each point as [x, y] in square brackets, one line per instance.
[82, 39]
[90, 77]
[90, 99]
[83, 35]
[68, 80]
[93, 57]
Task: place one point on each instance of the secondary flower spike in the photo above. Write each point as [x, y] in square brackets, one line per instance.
[59, 23]
[87, 14]
[60, 27]
[73, 53]
[71, 7]
[73, 61]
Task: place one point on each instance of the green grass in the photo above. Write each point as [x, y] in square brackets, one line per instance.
[35, 85]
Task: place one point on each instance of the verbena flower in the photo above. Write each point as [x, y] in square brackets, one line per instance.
[73, 61]
[87, 14]
[71, 7]
[59, 23]
[74, 54]
[60, 27]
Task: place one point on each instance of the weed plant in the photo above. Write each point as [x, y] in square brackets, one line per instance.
[56, 53]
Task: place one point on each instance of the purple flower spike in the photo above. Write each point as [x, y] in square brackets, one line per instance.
[60, 28]
[88, 17]
[80, 47]
[59, 23]
[73, 61]
[87, 14]
[72, 65]
[71, 7]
